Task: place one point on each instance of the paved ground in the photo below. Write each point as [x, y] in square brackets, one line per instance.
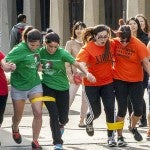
[75, 138]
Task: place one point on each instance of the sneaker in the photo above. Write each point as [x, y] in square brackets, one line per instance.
[58, 147]
[111, 142]
[148, 135]
[90, 130]
[36, 145]
[136, 134]
[121, 142]
[16, 136]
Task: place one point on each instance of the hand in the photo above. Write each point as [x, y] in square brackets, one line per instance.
[90, 77]
[12, 66]
[9, 67]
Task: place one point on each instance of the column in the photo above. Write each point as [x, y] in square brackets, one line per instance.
[32, 11]
[91, 12]
[4, 26]
[59, 19]
[135, 7]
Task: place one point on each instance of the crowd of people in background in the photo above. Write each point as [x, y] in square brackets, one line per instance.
[108, 70]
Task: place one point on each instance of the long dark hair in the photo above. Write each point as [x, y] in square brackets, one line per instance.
[139, 30]
[146, 29]
[141, 35]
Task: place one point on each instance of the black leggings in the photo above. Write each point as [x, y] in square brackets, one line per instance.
[134, 90]
[3, 100]
[94, 96]
[58, 111]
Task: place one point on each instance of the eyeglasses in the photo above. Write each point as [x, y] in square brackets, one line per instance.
[102, 37]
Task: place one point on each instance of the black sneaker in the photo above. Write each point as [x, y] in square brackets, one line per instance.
[90, 130]
[136, 134]
[121, 142]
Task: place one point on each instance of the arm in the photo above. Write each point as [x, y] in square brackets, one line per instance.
[82, 67]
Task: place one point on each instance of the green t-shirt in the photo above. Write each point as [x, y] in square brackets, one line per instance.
[26, 76]
[54, 71]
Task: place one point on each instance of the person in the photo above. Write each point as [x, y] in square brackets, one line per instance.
[97, 56]
[73, 46]
[137, 31]
[148, 131]
[143, 22]
[16, 31]
[26, 83]
[3, 85]
[56, 85]
[131, 55]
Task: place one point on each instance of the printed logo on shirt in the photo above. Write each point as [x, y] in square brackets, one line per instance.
[33, 60]
[125, 52]
[102, 58]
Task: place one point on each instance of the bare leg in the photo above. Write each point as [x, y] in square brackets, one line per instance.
[134, 120]
[37, 120]
[119, 119]
[18, 106]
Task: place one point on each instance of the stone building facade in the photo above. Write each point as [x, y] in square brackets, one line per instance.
[59, 14]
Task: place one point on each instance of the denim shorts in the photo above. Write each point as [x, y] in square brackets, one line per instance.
[24, 95]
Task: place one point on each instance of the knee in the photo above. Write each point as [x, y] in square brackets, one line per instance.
[37, 114]
[64, 121]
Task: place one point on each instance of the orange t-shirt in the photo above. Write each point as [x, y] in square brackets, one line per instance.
[128, 60]
[99, 66]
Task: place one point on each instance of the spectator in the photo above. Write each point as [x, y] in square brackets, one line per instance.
[16, 31]
[73, 46]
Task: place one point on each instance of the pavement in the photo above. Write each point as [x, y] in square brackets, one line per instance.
[75, 138]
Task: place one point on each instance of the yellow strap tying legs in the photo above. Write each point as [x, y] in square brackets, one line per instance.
[115, 125]
[43, 98]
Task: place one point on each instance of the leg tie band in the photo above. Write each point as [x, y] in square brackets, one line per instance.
[115, 125]
[43, 98]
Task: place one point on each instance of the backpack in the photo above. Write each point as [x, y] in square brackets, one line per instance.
[19, 34]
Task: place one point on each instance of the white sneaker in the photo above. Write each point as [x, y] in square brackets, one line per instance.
[111, 142]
